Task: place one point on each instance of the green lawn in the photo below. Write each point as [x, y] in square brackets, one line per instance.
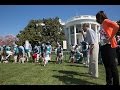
[52, 74]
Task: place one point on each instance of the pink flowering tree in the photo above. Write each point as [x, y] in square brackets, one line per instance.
[2, 42]
[8, 40]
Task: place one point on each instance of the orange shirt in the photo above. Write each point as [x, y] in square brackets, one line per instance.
[111, 29]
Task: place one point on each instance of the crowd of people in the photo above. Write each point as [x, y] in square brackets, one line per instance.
[25, 52]
[87, 52]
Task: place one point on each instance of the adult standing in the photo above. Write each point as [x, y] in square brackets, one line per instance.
[91, 38]
[118, 49]
[108, 49]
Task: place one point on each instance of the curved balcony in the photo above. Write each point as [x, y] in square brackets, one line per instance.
[81, 17]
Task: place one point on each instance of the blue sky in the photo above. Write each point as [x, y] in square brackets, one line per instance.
[14, 18]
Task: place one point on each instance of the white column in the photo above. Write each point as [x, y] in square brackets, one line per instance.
[82, 38]
[75, 39]
[98, 34]
[96, 29]
[90, 25]
[69, 36]
[99, 27]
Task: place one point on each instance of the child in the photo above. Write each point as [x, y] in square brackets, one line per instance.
[35, 55]
[85, 51]
[72, 55]
[1, 51]
[47, 57]
[15, 51]
[22, 57]
[59, 54]
[78, 56]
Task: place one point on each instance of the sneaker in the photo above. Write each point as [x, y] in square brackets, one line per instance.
[95, 77]
[109, 84]
[86, 65]
[83, 63]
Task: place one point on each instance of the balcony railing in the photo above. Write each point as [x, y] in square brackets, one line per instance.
[81, 17]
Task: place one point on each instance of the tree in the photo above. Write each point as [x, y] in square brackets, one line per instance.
[1, 41]
[52, 31]
[8, 40]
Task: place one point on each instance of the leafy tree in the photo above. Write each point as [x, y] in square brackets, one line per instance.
[52, 31]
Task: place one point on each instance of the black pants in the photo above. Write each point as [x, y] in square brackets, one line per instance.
[119, 58]
[118, 55]
[108, 55]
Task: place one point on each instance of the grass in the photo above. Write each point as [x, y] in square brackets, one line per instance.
[52, 74]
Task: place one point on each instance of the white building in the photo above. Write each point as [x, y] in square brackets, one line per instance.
[73, 27]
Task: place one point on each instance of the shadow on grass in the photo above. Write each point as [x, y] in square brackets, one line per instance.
[71, 73]
[68, 78]
[76, 65]
[52, 61]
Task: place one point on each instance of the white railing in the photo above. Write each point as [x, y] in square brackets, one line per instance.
[81, 17]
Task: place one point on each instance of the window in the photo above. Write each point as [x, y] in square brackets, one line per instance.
[71, 29]
[78, 28]
[93, 26]
[77, 41]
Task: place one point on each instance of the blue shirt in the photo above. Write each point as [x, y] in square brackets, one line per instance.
[48, 48]
[7, 48]
[90, 36]
[21, 49]
[16, 50]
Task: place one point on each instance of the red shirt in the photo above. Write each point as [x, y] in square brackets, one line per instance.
[111, 29]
